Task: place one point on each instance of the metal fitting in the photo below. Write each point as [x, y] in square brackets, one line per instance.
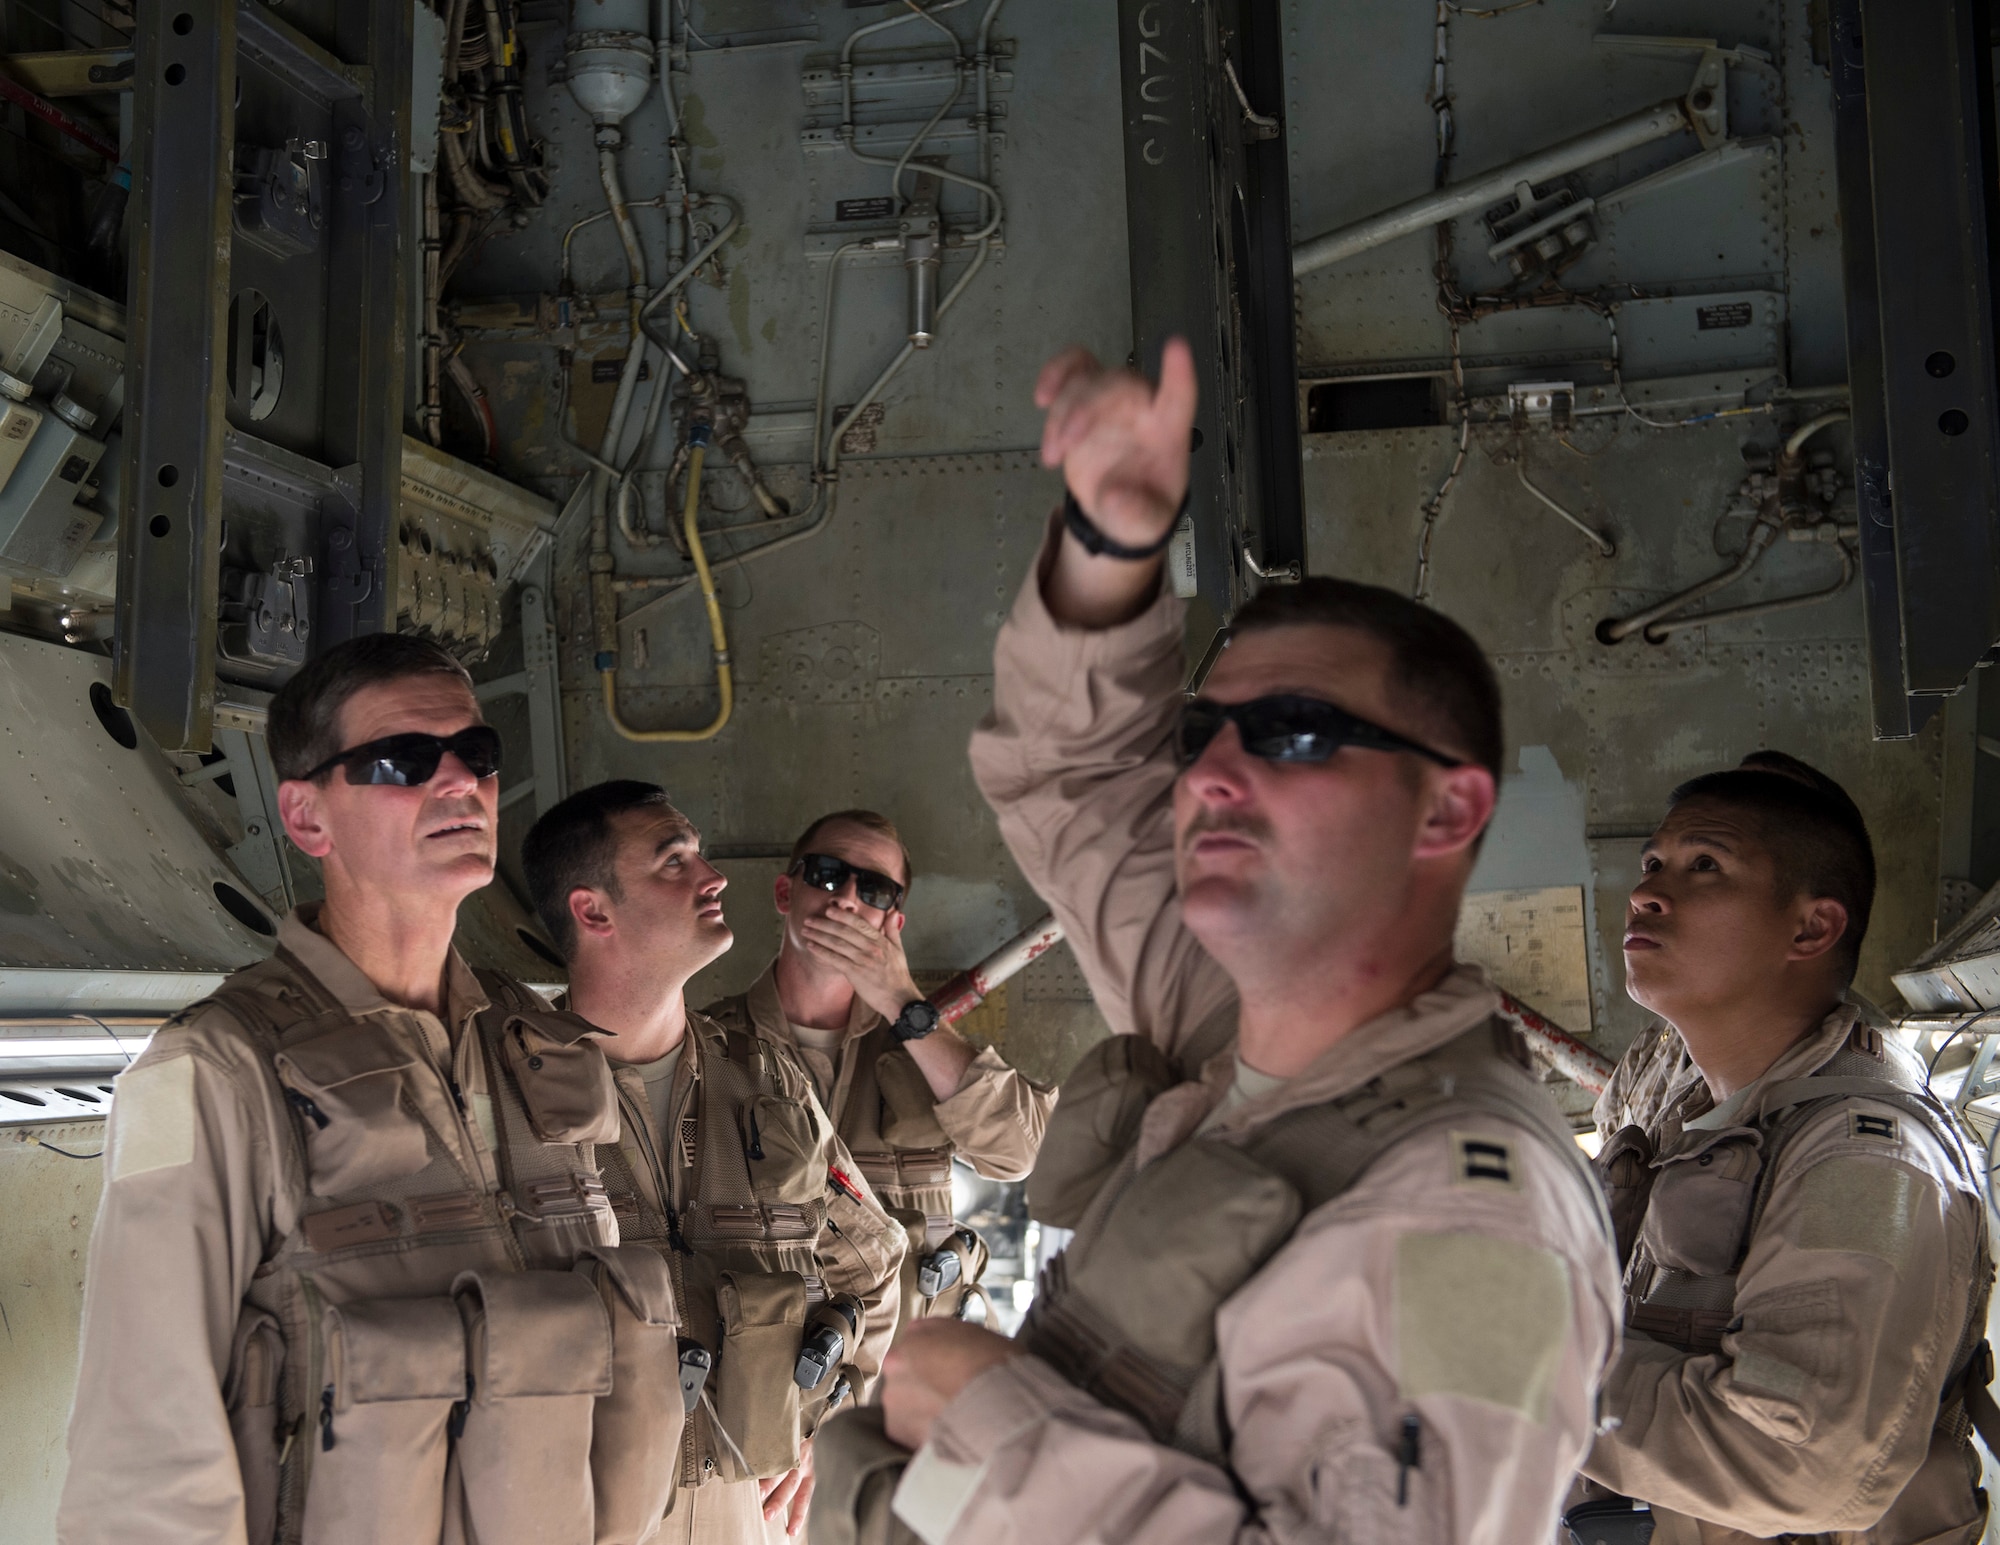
[921, 259]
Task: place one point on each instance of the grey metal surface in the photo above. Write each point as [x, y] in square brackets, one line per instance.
[49, 1202]
[1623, 725]
[184, 114]
[1927, 95]
[106, 863]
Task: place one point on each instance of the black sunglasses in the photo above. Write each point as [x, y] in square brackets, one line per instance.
[408, 760]
[828, 873]
[1287, 728]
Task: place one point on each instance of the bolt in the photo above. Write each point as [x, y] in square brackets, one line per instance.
[351, 136]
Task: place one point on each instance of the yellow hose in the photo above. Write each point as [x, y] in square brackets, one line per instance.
[723, 682]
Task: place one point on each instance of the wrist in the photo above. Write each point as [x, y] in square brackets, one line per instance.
[1094, 540]
[915, 1020]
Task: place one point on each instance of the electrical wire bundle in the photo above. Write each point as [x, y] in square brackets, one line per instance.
[492, 169]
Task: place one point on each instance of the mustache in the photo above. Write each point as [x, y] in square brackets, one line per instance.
[1236, 822]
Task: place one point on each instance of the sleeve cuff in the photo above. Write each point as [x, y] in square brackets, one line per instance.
[1031, 615]
[997, 1407]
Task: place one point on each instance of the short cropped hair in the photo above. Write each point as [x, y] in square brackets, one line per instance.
[1434, 663]
[868, 820]
[1812, 829]
[304, 728]
[573, 847]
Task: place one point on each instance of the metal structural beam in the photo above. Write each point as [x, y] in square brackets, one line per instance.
[184, 123]
[267, 208]
[1208, 215]
[1915, 137]
[367, 284]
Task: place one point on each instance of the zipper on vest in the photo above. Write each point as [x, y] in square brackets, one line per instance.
[326, 1419]
[304, 1105]
[1409, 1456]
[642, 1127]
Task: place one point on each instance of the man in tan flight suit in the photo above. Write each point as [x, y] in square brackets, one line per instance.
[906, 1093]
[1808, 1271]
[1339, 1273]
[725, 1164]
[330, 1291]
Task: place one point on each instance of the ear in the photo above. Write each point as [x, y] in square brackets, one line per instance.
[896, 921]
[588, 911]
[299, 808]
[1822, 924]
[1461, 803]
[781, 894]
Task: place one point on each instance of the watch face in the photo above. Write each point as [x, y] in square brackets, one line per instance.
[921, 1017]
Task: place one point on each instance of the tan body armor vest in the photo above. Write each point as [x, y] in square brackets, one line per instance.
[888, 1120]
[427, 1356]
[1128, 1311]
[1684, 1228]
[733, 1196]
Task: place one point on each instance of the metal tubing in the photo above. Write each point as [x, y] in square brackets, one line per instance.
[1762, 535]
[724, 682]
[1583, 1065]
[1448, 203]
[1657, 632]
[966, 991]
[1796, 443]
[1597, 539]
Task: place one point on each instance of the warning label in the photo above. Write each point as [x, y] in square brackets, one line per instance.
[1733, 313]
[851, 209]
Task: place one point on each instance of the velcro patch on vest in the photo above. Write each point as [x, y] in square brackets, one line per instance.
[154, 1125]
[1481, 1317]
[1864, 1205]
[363, 1223]
[1480, 1160]
[1885, 1129]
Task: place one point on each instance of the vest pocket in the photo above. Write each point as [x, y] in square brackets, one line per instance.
[348, 1085]
[1700, 1209]
[635, 1433]
[787, 1151]
[255, 1362]
[756, 1399]
[394, 1369]
[565, 1084]
[538, 1356]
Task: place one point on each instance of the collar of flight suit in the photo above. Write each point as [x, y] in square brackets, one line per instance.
[1431, 1019]
[299, 936]
[1692, 1108]
[768, 1015]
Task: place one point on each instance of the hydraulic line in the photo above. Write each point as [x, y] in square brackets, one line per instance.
[818, 514]
[1657, 633]
[607, 621]
[1778, 517]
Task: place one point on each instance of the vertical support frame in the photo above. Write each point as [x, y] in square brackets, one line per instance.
[1896, 717]
[184, 128]
[365, 362]
[1915, 135]
[1172, 166]
[1261, 243]
[1208, 208]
